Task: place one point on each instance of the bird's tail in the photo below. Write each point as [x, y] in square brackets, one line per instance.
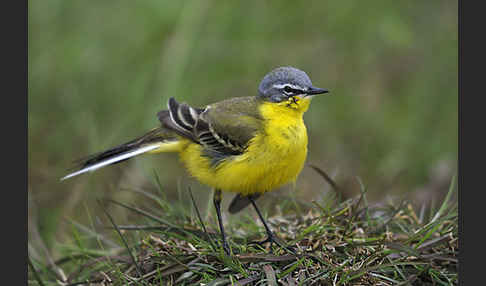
[155, 141]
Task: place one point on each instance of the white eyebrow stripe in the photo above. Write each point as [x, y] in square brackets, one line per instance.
[287, 84]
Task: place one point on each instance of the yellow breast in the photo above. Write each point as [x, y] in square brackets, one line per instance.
[274, 157]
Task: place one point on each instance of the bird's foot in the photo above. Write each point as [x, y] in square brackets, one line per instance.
[271, 238]
[226, 248]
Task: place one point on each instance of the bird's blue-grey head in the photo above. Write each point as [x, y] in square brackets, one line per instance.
[285, 82]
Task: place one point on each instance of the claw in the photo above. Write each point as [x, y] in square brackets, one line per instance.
[226, 248]
[270, 236]
[273, 239]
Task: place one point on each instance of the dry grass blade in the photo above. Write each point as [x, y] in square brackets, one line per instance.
[444, 205]
[219, 282]
[270, 274]
[166, 272]
[141, 192]
[175, 268]
[200, 219]
[327, 178]
[248, 280]
[354, 212]
[438, 256]
[434, 242]
[265, 257]
[93, 233]
[181, 230]
[291, 281]
[140, 227]
[92, 262]
[90, 282]
[144, 213]
[397, 246]
[381, 227]
[137, 267]
[409, 280]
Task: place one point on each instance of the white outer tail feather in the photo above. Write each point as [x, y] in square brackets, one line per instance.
[109, 161]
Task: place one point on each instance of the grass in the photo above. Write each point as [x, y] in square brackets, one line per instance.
[338, 243]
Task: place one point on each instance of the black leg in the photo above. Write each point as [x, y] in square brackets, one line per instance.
[217, 204]
[270, 236]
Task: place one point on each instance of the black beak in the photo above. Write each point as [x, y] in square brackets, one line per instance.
[315, 90]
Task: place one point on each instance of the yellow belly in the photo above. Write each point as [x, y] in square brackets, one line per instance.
[273, 158]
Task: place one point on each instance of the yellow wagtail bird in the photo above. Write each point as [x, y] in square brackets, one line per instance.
[246, 145]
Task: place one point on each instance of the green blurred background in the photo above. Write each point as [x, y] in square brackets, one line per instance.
[98, 72]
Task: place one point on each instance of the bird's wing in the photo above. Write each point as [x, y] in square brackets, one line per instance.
[223, 128]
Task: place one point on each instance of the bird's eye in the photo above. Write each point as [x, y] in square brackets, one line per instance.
[288, 89]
